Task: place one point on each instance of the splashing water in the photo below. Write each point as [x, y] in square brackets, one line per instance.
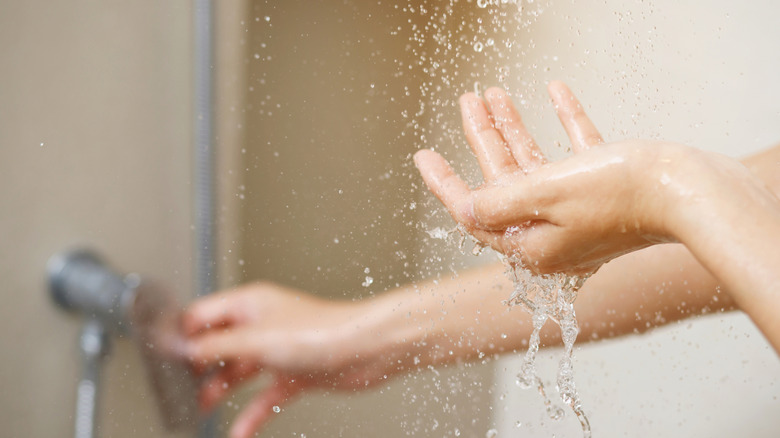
[550, 297]
[458, 43]
[545, 297]
[463, 46]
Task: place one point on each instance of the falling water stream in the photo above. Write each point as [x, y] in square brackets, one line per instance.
[494, 40]
[547, 297]
[550, 297]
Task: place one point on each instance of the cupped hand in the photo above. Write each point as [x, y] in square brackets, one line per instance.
[569, 216]
[301, 340]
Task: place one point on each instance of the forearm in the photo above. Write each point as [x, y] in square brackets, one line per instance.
[734, 231]
[645, 289]
[455, 318]
[464, 317]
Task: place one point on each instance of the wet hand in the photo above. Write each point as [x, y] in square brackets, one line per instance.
[569, 216]
[301, 340]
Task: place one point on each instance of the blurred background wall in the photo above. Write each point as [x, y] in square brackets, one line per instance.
[328, 193]
[95, 121]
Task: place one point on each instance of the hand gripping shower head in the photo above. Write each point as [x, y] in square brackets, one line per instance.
[80, 281]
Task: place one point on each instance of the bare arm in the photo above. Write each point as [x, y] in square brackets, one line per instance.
[579, 213]
[307, 342]
[465, 318]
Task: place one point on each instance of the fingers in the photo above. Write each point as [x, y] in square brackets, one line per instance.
[582, 133]
[497, 208]
[216, 310]
[445, 184]
[491, 208]
[510, 125]
[493, 154]
[494, 239]
[224, 381]
[261, 408]
[225, 345]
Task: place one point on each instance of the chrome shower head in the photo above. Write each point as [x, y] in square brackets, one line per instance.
[81, 282]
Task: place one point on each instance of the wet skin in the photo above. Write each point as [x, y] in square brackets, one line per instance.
[305, 342]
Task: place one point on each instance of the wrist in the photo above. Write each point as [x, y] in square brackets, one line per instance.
[724, 215]
[671, 193]
[701, 193]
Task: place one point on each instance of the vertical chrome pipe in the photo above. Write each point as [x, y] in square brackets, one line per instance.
[205, 267]
[205, 260]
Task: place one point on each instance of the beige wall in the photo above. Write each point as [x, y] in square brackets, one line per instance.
[330, 192]
[95, 129]
[95, 125]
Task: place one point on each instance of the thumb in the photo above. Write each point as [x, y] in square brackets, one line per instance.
[442, 181]
[499, 207]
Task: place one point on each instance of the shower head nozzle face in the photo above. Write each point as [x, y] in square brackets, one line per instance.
[156, 320]
[81, 282]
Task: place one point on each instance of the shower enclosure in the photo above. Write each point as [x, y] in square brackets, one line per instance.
[318, 106]
[96, 127]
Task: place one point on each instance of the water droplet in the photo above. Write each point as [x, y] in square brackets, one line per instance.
[555, 413]
[277, 409]
[368, 281]
[478, 88]
[492, 433]
[438, 233]
[478, 46]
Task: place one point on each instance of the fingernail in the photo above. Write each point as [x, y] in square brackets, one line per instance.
[416, 158]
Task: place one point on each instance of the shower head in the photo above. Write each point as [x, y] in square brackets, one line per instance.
[81, 282]
[156, 322]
